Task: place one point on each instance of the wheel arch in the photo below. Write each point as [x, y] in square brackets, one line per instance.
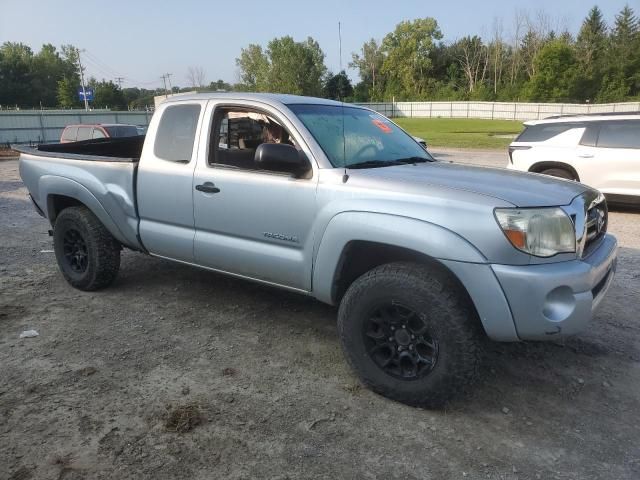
[355, 242]
[539, 167]
[61, 193]
[360, 256]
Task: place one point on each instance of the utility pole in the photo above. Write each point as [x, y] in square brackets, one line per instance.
[84, 92]
[169, 80]
[164, 81]
[119, 81]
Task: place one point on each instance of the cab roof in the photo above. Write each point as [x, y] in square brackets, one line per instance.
[268, 98]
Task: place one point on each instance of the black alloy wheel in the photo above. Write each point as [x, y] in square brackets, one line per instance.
[75, 251]
[397, 340]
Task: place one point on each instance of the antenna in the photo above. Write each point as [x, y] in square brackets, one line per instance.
[340, 43]
[345, 177]
[119, 81]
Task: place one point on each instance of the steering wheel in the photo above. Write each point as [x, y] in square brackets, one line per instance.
[360, 152]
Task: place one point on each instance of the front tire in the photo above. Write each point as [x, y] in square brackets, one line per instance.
[559, 173]
[87, 254]
[410, 334]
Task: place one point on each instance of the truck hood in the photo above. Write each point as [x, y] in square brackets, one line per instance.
[518, 188]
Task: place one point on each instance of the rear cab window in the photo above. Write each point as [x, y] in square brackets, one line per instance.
[84, 133]
[121, 130]
[69, 134]
[176, 133]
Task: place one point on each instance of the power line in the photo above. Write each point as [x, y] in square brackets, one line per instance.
[104, 68]
[97, 68]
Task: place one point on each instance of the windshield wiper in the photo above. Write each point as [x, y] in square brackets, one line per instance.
[415, 160]
[388, 163]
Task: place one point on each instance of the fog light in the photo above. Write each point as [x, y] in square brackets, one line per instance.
[559, 304]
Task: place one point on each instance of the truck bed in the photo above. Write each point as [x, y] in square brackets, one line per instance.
[124, 149]
[100, 174]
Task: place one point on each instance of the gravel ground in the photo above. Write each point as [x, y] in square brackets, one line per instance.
[181, 373]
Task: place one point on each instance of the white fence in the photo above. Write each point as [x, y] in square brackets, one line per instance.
[495, 110]
[41, 126]
[46, 126]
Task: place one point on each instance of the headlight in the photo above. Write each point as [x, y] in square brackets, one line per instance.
[542, 232]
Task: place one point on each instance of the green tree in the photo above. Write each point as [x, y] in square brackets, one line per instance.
[622, 78]
[295, 67]
[338, 87]
[16, 61]
[254, 68]
[48, 67]
[67, 86]
[369, 65]
[407, 64]
[590, 49]
[556, 72]
[472, 58]
[67, 92]
[286, 66]
[107, 95]
[220, 85]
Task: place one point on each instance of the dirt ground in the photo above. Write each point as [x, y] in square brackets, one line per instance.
[175, 372]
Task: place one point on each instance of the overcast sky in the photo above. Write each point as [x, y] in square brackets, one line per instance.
[142, 39]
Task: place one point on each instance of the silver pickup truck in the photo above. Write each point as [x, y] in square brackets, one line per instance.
[424, 258]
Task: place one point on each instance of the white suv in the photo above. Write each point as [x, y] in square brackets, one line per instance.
[600, 150]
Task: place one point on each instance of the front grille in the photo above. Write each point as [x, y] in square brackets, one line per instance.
[596, 224]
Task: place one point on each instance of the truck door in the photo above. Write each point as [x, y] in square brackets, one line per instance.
[165, 179]
[251, 222]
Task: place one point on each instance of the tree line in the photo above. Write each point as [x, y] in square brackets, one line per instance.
[537, 62]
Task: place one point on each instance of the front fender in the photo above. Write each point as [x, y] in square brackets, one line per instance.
[417, 235]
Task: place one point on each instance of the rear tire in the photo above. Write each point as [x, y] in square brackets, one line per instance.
[410, 334]
[87, 254]
[560, 173]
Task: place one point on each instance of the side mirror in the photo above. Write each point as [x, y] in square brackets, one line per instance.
[281, 157]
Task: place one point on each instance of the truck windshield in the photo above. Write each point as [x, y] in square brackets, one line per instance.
[121, 130]
[359, 138]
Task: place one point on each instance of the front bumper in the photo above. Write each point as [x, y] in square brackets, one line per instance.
[558, 299]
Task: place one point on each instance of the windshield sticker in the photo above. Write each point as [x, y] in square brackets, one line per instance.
[381, 125]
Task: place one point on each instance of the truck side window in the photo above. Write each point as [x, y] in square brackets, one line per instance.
[237, 133]
[176, 133]
[98, 133]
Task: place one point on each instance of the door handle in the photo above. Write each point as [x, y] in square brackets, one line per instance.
[207, 187]
[585, 155]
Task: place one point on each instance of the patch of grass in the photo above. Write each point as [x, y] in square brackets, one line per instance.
[462, 132]
[184, 418]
